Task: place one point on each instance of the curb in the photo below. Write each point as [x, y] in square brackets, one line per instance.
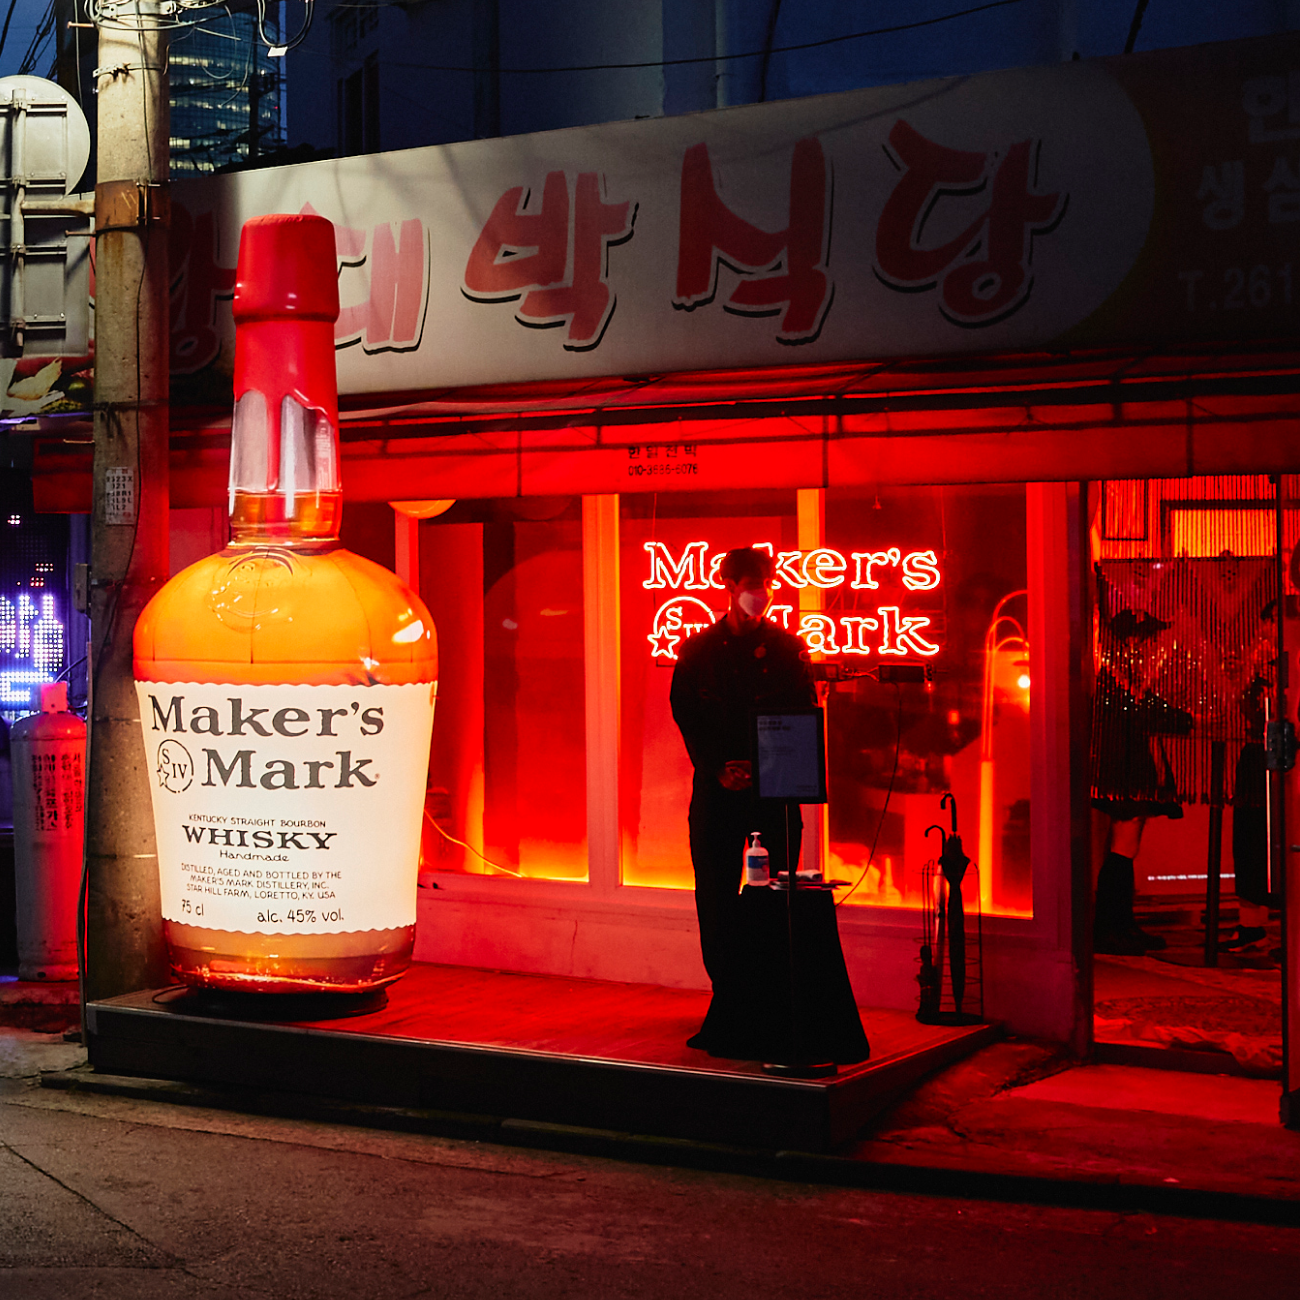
[1071, 1190]
[37, 993]
[34, 1004]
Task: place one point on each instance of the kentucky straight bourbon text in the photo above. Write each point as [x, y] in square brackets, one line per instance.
[286, 685]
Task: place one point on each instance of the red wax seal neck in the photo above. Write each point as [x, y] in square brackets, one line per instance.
[287, 269]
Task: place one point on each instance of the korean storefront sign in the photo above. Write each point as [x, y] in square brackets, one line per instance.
[1092, 203]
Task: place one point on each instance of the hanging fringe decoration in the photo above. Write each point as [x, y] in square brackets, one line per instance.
[1185, 635]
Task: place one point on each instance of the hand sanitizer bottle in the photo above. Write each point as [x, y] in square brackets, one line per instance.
[756, 861]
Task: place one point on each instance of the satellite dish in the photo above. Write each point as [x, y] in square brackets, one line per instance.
[43, 135]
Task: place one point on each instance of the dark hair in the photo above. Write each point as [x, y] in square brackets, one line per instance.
[746, 562]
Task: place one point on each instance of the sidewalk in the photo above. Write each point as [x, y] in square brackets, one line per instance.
[1015, 1122]
[1019, 1111]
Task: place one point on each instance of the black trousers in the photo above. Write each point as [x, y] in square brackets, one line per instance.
[1250, 827]
[720, 824]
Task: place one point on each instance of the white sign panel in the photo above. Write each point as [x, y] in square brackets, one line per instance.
[986, 213]
[287, 809]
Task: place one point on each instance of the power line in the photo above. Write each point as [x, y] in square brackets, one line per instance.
[4, 35]
[1135, 27]
[720, 58]
[42, 34]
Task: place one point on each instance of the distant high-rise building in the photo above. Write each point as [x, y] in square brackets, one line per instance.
[226, 90]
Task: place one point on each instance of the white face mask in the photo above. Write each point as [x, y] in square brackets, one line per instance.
[753, 603]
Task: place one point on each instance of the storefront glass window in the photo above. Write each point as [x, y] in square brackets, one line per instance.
[920, 582]
[961, 609]
[668, 543]
[507, 773]
[1185, 646]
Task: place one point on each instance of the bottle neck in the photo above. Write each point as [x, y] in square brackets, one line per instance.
[267, 519]
[284, 452]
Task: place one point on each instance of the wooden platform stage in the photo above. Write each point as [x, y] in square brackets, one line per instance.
[527, 1047]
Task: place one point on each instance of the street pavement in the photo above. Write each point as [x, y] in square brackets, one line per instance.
[107, 1196]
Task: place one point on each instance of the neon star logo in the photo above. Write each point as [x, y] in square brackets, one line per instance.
[676, 619]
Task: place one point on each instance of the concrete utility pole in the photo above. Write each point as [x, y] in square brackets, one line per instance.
[124, 949]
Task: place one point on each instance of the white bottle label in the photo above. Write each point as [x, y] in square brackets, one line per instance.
[287, 809]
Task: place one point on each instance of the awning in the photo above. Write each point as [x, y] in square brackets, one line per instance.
[1042, 417]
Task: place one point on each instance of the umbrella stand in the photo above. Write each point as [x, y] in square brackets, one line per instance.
[945, 895]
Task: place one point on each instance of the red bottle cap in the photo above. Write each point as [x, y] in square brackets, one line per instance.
[287, 269]
[286, 303]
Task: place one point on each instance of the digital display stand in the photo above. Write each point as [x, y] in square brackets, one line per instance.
[789, 766]
[789, 749]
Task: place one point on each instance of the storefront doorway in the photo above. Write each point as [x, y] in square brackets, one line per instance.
[1186, 651]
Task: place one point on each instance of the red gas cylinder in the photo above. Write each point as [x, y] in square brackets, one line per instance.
[49, 755]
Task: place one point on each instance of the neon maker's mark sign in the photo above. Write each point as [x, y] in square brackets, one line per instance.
[884, 629]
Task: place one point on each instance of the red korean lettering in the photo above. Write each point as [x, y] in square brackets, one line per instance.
[391, 316]
[500, 263]
[929, 172]
[783, 272]
[197, 282]
[984, 271]
[988, 288]
[528, 254]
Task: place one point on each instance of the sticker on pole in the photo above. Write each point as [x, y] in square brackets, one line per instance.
[119, 495]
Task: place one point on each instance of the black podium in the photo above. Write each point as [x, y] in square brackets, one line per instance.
[751, 1017]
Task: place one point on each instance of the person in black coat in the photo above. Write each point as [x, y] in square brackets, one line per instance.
[742, 663]
[1250, 847]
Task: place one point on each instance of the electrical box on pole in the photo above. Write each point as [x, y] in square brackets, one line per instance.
[45, 233]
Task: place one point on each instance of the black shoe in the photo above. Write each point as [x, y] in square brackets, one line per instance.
[1118, 945]
[1150, 942]
[1243, 937]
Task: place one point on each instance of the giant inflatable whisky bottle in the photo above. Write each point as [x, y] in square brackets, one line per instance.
[287, 685]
